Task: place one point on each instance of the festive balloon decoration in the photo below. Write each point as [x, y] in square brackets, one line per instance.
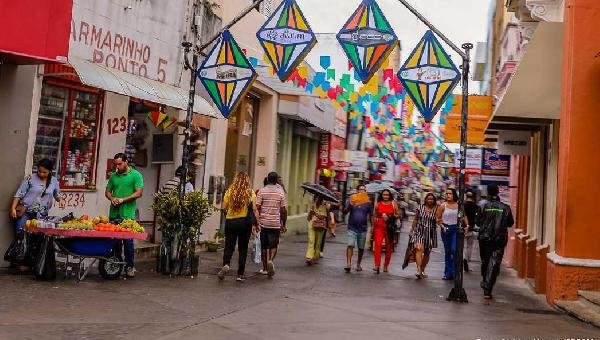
[226, 73]
[429, 76]
[286, 38]
[367, 38]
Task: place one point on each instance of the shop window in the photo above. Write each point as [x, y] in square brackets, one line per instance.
[67, 134]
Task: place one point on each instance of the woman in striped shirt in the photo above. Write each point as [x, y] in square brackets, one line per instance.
[424, 233]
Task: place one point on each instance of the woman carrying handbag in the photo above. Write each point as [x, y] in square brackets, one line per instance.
[34, 199]
[239, 203]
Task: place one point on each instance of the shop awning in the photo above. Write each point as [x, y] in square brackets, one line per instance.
[534, 91]
[109, 79]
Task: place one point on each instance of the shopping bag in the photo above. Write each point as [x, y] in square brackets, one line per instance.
[17, 251]
[45, 263]
[410, 255]
[257, 251]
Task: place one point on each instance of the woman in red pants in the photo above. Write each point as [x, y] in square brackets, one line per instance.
[386, 211]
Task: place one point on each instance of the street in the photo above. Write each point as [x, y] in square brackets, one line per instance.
[300, 302]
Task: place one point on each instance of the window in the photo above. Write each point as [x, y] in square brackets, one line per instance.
[67, 133]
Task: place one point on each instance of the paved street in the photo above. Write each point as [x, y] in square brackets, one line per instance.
[318, 302]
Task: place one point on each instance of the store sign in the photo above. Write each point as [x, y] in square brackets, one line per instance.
[323, 160]
[104, 33]
[495, 168]
[514, 143]
[367, 38]
[354, 161]
[473, 159]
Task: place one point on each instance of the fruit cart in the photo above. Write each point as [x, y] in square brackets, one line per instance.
[102, 243]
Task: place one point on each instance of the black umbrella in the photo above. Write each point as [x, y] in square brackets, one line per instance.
[318, 189]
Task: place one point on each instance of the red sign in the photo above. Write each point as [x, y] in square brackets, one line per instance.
[34, 31]
[342, 164]
[324, 151]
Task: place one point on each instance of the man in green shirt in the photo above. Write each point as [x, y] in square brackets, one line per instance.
[124, 187]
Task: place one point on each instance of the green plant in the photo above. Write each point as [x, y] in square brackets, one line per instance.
[196, 209]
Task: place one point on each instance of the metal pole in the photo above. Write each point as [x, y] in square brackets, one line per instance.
[228, 26]
[434, 29]
[458, 293]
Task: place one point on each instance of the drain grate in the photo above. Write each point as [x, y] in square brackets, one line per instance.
[538, 311]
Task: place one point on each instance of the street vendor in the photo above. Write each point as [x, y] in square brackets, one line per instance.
[124, 187]
[34, 198]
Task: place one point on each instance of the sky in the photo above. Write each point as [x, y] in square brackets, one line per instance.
[460, 20]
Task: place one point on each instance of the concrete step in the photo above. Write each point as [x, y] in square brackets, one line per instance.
[145, 250]
[590, 296]
[581, 309]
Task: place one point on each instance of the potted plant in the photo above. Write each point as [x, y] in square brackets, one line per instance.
[213, 245]
[178, 251]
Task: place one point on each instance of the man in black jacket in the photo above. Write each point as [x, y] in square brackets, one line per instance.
[494, 221]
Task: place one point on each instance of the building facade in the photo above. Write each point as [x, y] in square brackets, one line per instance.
[542, 79]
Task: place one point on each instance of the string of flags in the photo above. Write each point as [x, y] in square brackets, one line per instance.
[380, 104]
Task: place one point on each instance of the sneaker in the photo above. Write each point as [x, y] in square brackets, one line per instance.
[223, 272]
[423, 275]
[130, 272]
[263, 272]
[240, 278]
[270, 268]
[419, 275]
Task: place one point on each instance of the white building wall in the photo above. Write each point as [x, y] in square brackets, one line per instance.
[17, 85]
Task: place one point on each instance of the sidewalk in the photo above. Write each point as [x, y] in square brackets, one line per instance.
[318, 302]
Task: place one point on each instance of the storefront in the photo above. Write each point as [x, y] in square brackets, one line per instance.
[302, 122]
[240, 150]
[80, 128]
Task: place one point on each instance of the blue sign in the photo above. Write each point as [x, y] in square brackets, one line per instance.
[495, 168]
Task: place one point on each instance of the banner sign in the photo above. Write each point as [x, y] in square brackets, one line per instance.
[324, 151]
[480, 112]
[367, 38]
[473, 159]
[429, 76]
[226, 73]
[286, 38]
[353, 161]
[495, 168]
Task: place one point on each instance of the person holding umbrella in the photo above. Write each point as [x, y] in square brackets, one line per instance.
[317, 223]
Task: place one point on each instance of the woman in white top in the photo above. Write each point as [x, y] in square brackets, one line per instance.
[447, 218]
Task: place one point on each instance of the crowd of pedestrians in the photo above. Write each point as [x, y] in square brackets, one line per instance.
[264, 214]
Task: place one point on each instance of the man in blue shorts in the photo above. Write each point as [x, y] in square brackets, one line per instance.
[360, 208]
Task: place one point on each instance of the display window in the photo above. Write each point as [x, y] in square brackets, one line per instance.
[67, 133]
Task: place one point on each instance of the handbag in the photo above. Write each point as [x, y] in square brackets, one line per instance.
[17, 251]
[21, 210]
[250, 214]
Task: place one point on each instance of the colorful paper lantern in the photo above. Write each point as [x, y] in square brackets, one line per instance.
[286, 38]
[226, 74]
[367, 38]
[429, 76]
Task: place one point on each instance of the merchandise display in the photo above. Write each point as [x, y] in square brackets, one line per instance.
[84, 223]
[67, 133]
